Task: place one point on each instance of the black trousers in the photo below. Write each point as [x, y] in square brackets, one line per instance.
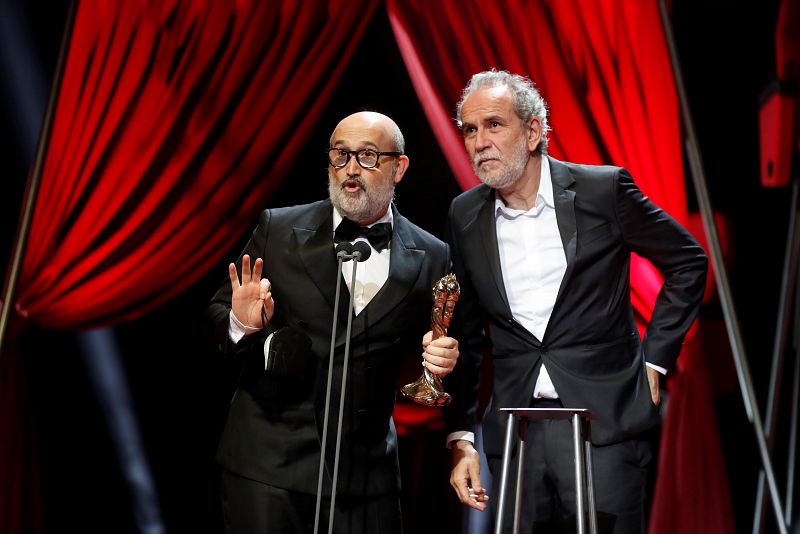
[251, 507]
[548, 500]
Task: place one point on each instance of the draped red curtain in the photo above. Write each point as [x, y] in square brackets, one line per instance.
[176, 120]
[174, 123]
[600, 65]
[604, 69]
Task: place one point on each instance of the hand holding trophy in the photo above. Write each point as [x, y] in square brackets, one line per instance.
[428, 389]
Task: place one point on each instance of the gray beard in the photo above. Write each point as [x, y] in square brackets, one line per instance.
[509, 173]
[366, 204]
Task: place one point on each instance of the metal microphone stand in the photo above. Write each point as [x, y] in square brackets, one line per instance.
[358, 251]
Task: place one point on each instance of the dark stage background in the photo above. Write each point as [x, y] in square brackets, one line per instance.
[180, 389]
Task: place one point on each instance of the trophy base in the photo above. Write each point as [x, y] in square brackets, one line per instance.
[427, 391]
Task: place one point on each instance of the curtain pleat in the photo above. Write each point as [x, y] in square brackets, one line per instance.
[175, 122]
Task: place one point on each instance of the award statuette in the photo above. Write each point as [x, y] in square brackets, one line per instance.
[428, 389]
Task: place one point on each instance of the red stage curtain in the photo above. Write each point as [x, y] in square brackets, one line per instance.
[174, 123]
[604, 69]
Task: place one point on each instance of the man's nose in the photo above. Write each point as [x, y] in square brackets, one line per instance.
[353, 168]
[482, 140]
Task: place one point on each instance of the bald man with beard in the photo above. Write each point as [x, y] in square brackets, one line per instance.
[275, 311]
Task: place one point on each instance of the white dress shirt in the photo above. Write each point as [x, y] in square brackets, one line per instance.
[533, 263]
[371, 274]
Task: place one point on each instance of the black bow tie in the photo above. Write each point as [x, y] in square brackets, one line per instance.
[379, 234]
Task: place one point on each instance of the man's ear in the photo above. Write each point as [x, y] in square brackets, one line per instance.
[534, 133]
[401, 165]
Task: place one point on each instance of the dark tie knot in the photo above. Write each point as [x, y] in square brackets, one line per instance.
[378, 234]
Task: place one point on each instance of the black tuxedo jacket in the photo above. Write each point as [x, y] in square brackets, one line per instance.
[591, 346]
[273, 430]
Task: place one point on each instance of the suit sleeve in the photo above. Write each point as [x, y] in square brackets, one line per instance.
[468, 328]
[653, 234]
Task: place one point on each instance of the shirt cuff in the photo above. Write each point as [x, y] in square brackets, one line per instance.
[266, 350]
[656, 367]
[462, 434]
[237, 330]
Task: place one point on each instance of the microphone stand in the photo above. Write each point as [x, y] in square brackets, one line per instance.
[358, 251]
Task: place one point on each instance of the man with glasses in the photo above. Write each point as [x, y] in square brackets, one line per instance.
[277, 315]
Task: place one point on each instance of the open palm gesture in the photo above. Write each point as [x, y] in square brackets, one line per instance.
[251, 300]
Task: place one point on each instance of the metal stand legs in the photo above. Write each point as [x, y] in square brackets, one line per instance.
[584, 484]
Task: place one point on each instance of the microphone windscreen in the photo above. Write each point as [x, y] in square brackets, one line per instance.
[363, 248]
[344, 250]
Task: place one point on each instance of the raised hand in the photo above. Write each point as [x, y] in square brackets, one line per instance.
[251, 300]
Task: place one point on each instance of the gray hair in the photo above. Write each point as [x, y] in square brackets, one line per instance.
[398, 139]
[527, 100]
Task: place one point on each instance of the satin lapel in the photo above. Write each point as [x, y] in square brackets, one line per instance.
[315, 248]
[404, 267]
[564, 198]
[487, 227]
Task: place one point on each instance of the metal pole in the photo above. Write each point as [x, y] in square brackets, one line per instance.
[501, 502]
[587, 443]
[323, 447]
[788, 283]
[580, 478]
[734, 333]
[523, 437]
[790, 467]
[792, 454]
[32, 187]
[343, 393]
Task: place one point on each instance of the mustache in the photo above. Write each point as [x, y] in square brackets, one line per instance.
[486, 154]
[358, 179]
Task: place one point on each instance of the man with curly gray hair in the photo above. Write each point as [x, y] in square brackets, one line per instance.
[542, 252]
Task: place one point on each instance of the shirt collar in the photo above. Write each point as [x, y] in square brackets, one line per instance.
[544, 196]
[387, 217]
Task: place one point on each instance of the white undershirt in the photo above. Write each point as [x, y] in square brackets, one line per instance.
[533, 263]
[371, 275]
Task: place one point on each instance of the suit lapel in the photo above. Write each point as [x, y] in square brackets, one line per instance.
[487, 226]
[404, 267]
[315, 249]
[564, 199]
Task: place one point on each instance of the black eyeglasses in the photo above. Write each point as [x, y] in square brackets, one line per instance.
[366, 157]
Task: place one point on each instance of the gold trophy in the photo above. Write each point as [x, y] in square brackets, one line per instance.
[428, 389]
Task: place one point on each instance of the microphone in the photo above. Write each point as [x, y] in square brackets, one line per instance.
[344, 251]
[361, 251]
